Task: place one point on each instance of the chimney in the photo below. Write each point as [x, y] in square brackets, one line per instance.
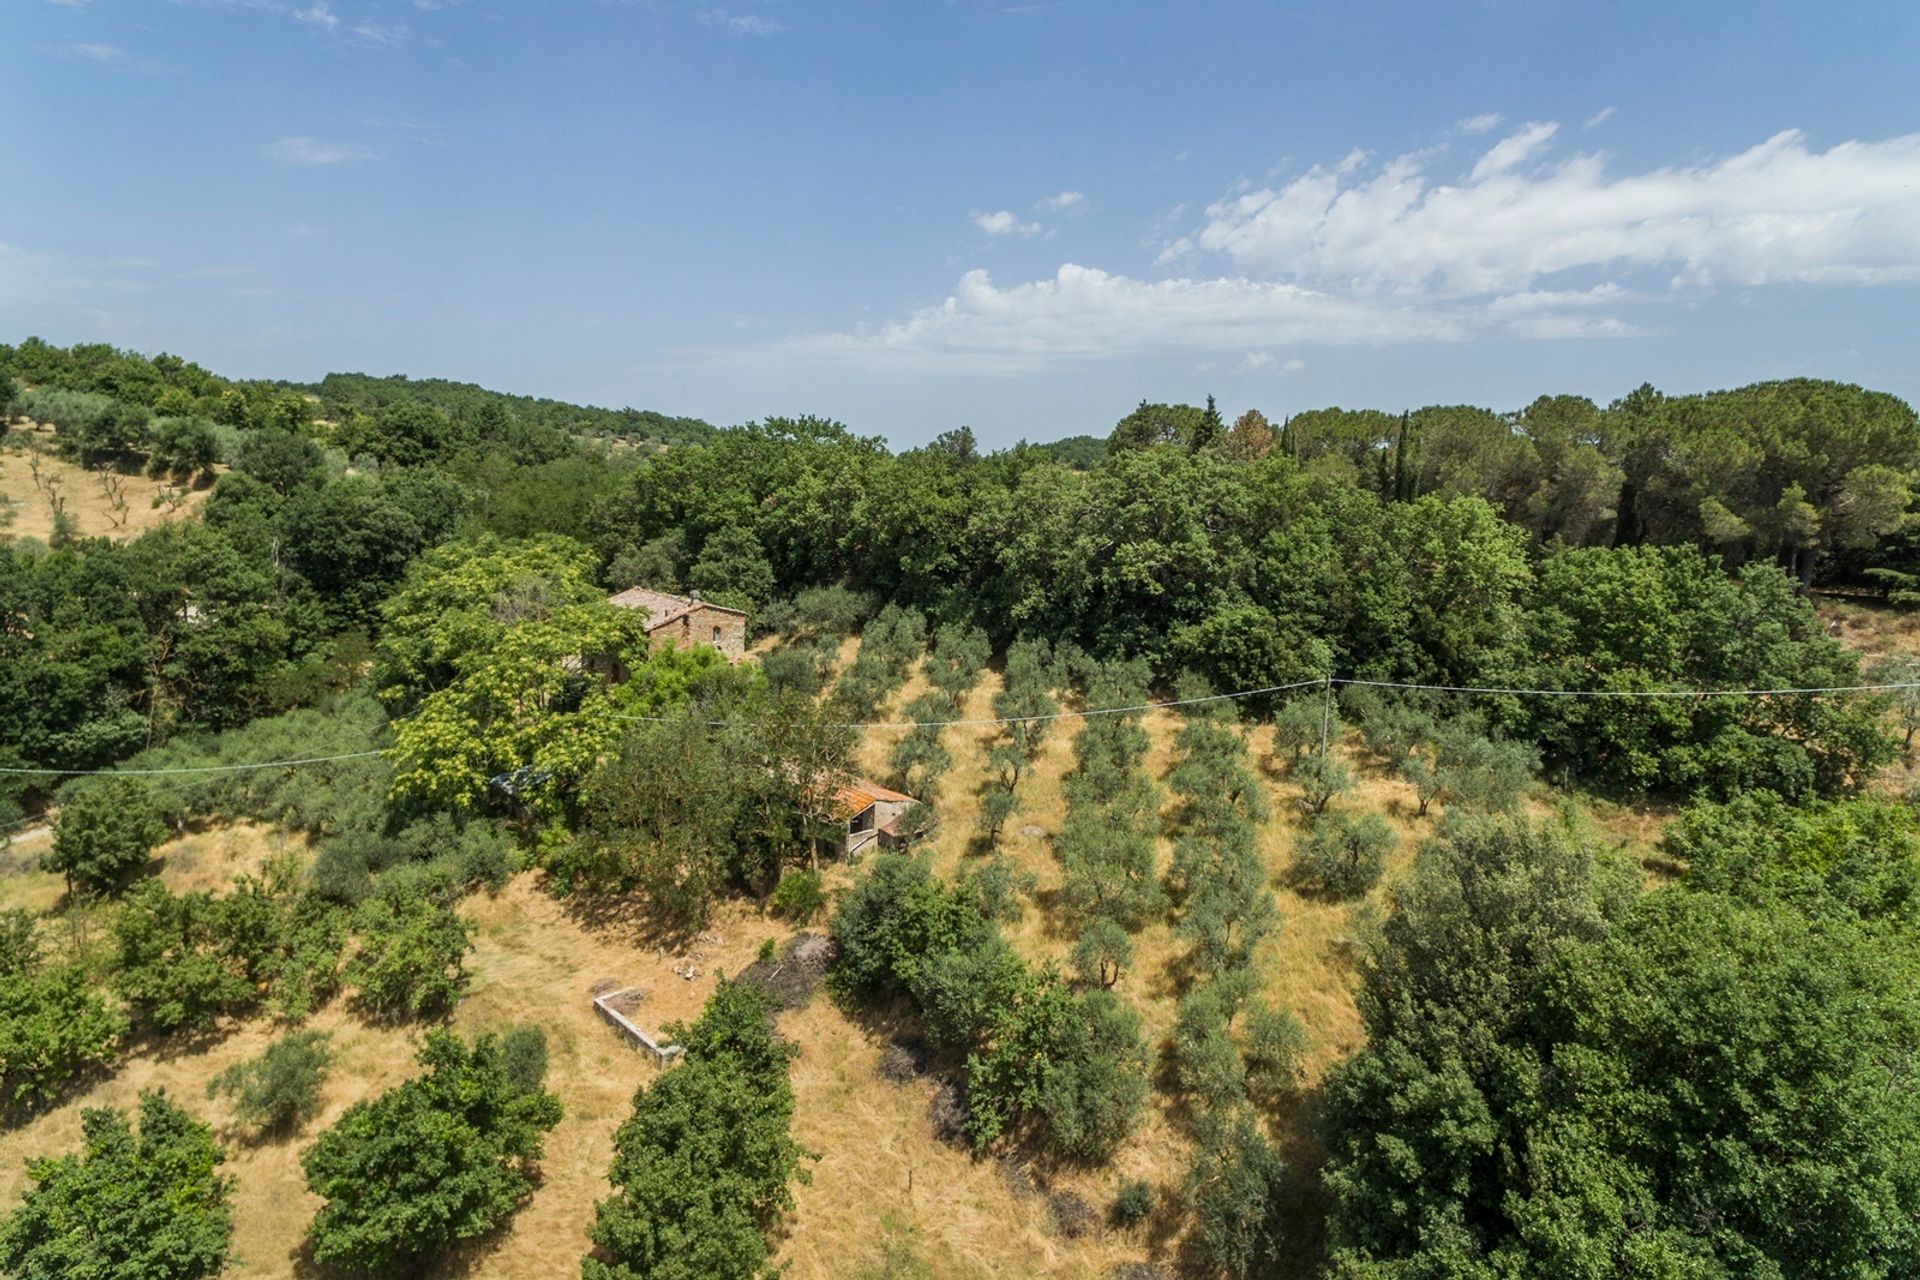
[694, 596]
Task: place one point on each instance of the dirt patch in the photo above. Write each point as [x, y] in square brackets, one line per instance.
[1071, 1215]
[791, 978]
[904, 1060]
[1140, 1271]
[1872, 629]
[947, 1112]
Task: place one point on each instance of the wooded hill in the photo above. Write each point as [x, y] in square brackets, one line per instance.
[1334, 977]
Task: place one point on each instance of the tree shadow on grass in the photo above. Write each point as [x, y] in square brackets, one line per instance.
[626, 915]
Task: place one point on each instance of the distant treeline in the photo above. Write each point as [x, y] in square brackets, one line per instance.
[166, 386]
[362, 393]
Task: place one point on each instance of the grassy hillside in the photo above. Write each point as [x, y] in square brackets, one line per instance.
[883, 1181]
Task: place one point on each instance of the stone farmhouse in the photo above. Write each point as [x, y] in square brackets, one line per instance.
[685, 621]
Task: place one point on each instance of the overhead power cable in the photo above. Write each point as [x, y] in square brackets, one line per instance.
[1137, 708]
[1630, 693]
[197, 768]
[1322, 681]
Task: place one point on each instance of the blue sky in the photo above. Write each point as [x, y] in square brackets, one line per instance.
[1023, 217]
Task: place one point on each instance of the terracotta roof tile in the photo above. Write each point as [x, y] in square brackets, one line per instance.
[860, 795]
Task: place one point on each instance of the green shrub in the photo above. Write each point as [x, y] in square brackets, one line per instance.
[181, 959]
[798, 896]
[1345, 853]
[19, 943]
[1236, 1185]
[1071, 1064]
[1275, 1043]
[280, 1089]
[677, 1216]
[1206, 1064]
[54, 1028]
[105, 833]
[832, 610]
[893, 918]
[1322, 779]
[797, 668]
[411, 957]
[143, 1205]
[1133, 1202]
[1102, 952]
[998, 889]
[443, 1157]
[523, 1057]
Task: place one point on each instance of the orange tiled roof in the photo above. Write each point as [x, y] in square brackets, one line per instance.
[860, 795]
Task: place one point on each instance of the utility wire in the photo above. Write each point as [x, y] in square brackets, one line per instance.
[1632, 693]
[198, 768]
[1322, 681]
[1318, 682]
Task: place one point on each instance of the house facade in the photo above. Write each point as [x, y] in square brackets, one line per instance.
[682, 622]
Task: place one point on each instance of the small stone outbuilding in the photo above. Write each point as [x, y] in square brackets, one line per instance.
[871, 813]
[681, 622]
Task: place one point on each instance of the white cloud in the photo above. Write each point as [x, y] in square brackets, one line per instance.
[1380, 251]
[1083, 311]
[380, 33]
[1067, 202]
[1485, 122]
[1264, 359]
[1004, 223]
[1598, 118]
[316, 152]
[320, 15]
[109, 55]
[742, 24]
[1779, 212]
[1514, 150]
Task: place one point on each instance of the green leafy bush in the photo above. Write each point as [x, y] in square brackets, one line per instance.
[703, 1166]
[1237, 1185]
[143, 1205]
[1344, 854]
[1275, 1043]
[440, 1158]
[54, 1028]
[105, 833]
[1133, 1202]
[798, 896]
[411, 956]
[279, 1090]
[181, 961]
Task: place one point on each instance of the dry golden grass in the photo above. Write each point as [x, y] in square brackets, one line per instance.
[207, 858]
[1873, 630]
[86, 502]
[881, 1174]
[533, 963]
[23, 886]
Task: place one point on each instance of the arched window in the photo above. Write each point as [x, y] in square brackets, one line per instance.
[716, 635]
